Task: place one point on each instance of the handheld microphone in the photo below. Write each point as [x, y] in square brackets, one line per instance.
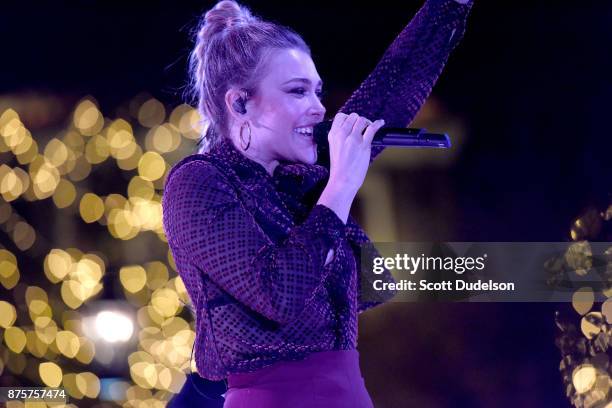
[392, 137]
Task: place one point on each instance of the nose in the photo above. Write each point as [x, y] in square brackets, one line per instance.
[317, 109]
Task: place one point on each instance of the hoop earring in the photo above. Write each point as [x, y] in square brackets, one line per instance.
[241, 138]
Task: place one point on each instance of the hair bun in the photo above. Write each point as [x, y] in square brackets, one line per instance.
[227, 13]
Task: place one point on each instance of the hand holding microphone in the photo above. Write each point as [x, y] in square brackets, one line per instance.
[350, 145]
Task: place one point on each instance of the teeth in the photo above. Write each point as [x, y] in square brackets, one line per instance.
[304, 130]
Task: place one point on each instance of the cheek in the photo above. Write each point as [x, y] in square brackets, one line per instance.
[281, 116]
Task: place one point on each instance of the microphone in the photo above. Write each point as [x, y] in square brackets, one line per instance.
[391, 137]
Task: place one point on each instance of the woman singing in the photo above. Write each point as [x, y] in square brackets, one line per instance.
[260, 233]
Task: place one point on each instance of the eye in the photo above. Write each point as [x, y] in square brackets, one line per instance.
[298, 91]
[303, 91]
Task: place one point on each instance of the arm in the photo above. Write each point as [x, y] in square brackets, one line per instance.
[409, 68]
[205, 220]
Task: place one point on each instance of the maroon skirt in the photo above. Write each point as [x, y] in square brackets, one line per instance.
[329, 379]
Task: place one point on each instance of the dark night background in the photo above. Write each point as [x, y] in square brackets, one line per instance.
[530, 81]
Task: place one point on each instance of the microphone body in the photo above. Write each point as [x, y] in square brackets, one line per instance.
[392, 137]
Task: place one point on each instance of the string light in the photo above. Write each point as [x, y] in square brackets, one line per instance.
[62, 171]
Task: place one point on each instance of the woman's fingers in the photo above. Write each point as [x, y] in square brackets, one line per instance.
[353, 125]
[338, 121]
[358, 128]
[371, 131]
[349, 123]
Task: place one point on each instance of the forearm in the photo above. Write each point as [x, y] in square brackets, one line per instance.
[338, 199]
[409, 68]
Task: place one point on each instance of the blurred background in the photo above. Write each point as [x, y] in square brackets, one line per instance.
[92, 116]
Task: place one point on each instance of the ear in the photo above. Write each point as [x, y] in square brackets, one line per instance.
[236, 103]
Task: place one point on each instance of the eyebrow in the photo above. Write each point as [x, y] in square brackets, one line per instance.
[303, 80]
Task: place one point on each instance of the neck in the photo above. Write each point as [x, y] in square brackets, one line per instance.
[269, 165]
[252, 154]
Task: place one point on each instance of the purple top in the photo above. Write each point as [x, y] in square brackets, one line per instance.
[251, 247]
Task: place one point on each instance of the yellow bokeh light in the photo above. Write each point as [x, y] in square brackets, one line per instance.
[45, 177]
[56, 152]
[34, 345]
[157, 274]
[151, 113]
[88, 384]
[87, 118]
[47, 330]
[40, 312]
[153, 317]
[121, 224]
[8, 264]
[173, 325]
[583, 299]
[71, 292]
[67, 343]
[35, 293]
[188, 121]
[88, 273]
[130, 162]
[137, 372]
[139, 356]
[57, 264]
[133, 278]
[69, 383]
[10, 281]
[42, 321]
[24, 235]
[86, 351]
[12, 183]
[15, 339]
[584, 377]
[7, 116]
[151, 166]
[120, 139]
[165, 301]
[14, 132]
[148, 316]
[25, 146]
[147, 214]
[50, 374]
[97, 149]
[29, 155]
[141, 188]
[91, 207]
[74, 141]
[64, 194]
[8, 314]
[68, 166]
[114, 201]
[163, 139]
[136, 393]
[71, 321]
[81, 169]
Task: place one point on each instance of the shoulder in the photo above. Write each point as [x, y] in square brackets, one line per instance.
[190, 166]
[197, 179]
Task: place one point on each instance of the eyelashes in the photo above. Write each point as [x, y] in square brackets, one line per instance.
[302, 91]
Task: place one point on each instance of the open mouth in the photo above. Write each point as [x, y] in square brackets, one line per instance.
[305, 131]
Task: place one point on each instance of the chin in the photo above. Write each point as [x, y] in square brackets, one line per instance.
[308, 158]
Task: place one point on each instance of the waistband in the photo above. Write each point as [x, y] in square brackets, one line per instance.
[326, 364]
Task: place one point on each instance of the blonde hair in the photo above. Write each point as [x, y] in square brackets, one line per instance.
[231, 50]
